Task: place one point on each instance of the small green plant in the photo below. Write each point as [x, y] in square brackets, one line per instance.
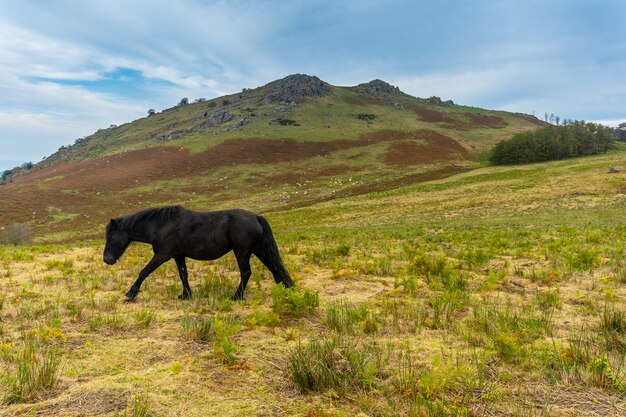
[66, 266]
[223, 347]
[294, 301]
[263, 318]
[140, 406]
[547, 300]
[585, 260]
[144, 317]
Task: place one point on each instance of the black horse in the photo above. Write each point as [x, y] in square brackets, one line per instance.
[175, 232]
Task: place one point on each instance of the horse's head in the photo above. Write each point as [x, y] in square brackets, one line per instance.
[117, 241]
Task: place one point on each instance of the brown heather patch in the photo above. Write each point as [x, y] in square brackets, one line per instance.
[531, 119]
[480, 120]
[435, 147]
[473, 121]
[88, 192]
[363, 101]
[433, 116]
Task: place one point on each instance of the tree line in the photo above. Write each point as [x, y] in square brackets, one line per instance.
[553, 143]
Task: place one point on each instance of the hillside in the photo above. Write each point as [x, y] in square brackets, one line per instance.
[292, 142]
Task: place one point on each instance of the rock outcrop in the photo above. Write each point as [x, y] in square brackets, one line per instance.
[294, 89]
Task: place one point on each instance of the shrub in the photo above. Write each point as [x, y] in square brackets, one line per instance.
[286, 122]
[368, 117]
[16, 234]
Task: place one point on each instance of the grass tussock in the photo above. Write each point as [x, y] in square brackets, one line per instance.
[34, 369]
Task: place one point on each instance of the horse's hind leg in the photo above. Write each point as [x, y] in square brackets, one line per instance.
[243, 261]
[182, 271]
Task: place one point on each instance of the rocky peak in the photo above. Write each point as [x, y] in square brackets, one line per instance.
[294, 89]
[376, 88]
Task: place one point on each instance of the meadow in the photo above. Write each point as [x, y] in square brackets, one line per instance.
[498, 291]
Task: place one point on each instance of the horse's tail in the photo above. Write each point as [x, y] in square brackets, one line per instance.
[270, 255]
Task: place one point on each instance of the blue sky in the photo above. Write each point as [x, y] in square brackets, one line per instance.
[68, 68]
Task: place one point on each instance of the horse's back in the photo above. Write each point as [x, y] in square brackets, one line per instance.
[211, 234]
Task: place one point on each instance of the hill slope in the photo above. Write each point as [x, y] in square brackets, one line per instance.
[292, 142]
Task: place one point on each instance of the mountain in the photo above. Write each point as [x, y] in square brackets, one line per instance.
[293, 142]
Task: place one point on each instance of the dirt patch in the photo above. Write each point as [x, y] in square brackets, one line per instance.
[88, 404]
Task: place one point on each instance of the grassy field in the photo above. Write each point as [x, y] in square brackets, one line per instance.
[498, 291]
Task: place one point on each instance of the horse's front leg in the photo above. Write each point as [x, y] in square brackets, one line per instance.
[182, 271]
[154, 263]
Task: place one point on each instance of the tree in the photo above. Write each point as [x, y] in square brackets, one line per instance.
[151, 112]
[554, 143]
[183, 102]
[620, 131]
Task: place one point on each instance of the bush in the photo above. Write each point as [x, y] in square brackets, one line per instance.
[16, 234]
[368, 117]
[286, 122]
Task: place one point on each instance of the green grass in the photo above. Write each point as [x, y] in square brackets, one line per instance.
[486, 293]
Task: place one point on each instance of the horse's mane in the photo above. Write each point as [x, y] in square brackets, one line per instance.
[161, 213]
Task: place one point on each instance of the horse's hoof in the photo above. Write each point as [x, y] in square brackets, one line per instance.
[236, 298]
[129, 296]
[184, 296]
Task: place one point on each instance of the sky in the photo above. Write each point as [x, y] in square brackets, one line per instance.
[68, 68]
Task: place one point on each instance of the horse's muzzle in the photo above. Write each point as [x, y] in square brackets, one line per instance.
[109, 260]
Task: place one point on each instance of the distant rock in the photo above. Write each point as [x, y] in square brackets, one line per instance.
[614, 170]
[294, 89]
[244, 121]
[217, 117]
[171, 135]
[437, 101]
